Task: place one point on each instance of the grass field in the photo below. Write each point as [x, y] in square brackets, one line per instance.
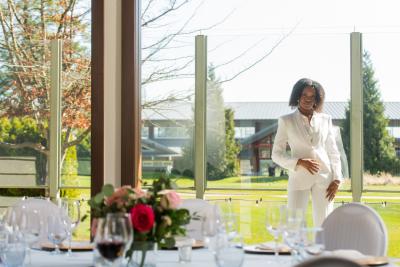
[244, 193]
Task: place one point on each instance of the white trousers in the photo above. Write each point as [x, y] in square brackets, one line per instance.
[298, 199]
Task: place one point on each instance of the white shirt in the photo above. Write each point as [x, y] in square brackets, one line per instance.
[307, 140]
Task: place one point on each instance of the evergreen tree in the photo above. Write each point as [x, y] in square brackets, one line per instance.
[222, 148]
[379, 152]
[232, 148]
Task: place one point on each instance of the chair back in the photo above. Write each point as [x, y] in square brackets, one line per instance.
[199, 209]
[358, 227]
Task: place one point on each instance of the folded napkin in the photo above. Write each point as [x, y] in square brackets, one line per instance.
[271, 246]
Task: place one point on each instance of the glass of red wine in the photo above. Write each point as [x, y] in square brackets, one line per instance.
[111, 239]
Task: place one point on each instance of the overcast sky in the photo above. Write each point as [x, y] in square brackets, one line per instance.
[318, 47]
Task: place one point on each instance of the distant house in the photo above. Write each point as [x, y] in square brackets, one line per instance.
[255, 128]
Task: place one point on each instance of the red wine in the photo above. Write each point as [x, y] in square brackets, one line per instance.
[111, 250]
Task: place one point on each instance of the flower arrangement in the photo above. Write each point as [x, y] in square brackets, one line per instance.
[154, 213]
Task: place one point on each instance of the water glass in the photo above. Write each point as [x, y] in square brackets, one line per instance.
[184, 245]
[210, 225]
[30, 226]
[229, 250]
[14, 247]
[14, 254]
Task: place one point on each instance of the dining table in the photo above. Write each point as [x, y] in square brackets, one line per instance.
[165, 258]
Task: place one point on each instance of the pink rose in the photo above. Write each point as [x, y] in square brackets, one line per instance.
[142, 217]
[139, 193]
[170, 199]
[119, 197]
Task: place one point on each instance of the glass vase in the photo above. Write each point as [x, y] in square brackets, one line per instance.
[144, 254]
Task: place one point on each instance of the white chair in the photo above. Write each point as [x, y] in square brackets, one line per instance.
[328, 262]
[199, 209]
[358, 227]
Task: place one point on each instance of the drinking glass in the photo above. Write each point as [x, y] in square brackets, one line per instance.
[229, 223]
[71, 216]
[312, 242]
[291, 232]
[184, 245]
[211, 224]
[56, 232]
[30, 227]
[275, 223]
[228, 250]
[13, 254]
[111, 239]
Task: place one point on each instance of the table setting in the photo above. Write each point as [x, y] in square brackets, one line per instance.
[133, 227]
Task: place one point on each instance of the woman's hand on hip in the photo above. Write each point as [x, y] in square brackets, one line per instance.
[332, 190]
[310, 165]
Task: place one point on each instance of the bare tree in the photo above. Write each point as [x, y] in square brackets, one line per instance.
[26, 26]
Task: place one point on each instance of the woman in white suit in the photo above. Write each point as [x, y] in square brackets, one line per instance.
[314, 160]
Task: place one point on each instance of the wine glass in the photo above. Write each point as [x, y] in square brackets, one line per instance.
[210, 226]
[30, 227]
[56, 232]
[275, 223]
[291, 232]
[312, 242]
[71, 216]
[111, 238]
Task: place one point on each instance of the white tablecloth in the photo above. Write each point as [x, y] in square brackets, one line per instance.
[200, 258]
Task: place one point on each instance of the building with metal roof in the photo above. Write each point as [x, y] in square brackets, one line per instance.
[255, 127]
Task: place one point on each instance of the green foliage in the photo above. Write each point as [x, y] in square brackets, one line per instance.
[24, 130]
[168, 219]
[379, 152]
[83, 148]
[69, 173]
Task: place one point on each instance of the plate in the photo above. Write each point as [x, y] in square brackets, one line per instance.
[75, 246]
[257, 249]
[373, 261]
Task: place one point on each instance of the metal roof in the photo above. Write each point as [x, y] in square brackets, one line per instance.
[258, 110]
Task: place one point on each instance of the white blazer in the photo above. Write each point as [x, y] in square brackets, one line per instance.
[317, 142]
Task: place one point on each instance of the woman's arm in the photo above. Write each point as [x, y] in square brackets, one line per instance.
[279, 154]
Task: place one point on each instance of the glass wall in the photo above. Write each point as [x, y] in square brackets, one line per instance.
[242, 112]
[255, 55]
[24, 121]
[168, 93]
[381, 111]
[25, 76]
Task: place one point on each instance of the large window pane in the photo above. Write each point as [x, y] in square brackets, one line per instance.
[256, 109]
[24, 121]
[75, 152]
[25, 76]
[168, 92]
[381, 111]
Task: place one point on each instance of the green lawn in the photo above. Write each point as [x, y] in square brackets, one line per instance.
[251, 216]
